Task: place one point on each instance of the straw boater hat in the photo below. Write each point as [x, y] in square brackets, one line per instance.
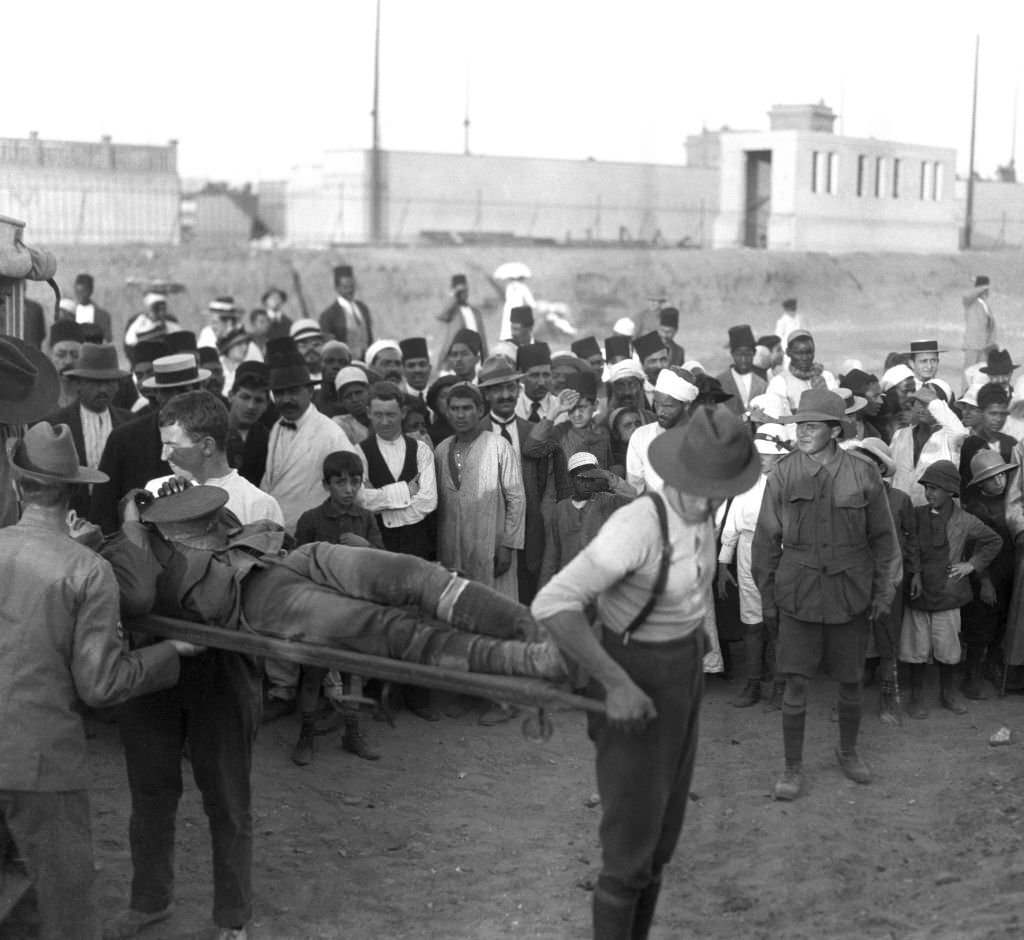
[47, 453]
[176, 371]
[193, 502]
[29, 384]
[97, 362]
[986, 464]
[925, 346]
[712, 455]
[224, 307]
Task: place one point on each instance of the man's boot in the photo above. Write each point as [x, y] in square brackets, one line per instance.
[790, 785]
[774, 704]
[972, 687]
[302, 753]
[948, 697]
[354, 742]
[915, 703]
[644, 915]
[749, 695]
[889, 704]
[849, 726]
[613, 915]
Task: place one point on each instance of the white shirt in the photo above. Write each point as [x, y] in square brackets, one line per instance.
[96, 428]
[295, 460]
[784, 391]
[249, 503]
[517, 294]
[469, 318]
[85, 313]
[742, 385]
[393, 502]
[639, 473]
[548, 404]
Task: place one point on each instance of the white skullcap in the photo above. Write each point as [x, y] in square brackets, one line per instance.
[675, 386]
[627, 369]
[693, 367]
[505, 349]
[892, 377]
[152, 297]
[849, 365]
[381, 344]
[581, 459]
[624, 326]
[350, 375]
[970, 397]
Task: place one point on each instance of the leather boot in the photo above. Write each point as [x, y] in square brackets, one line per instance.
[354, 742]
[613, 916]
[948, 697]
[774, 704]
[889, 704]
[750, 694]
[972, 687]
[302, 753]
[644, 915]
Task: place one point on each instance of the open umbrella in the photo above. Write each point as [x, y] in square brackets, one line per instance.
[511, 270]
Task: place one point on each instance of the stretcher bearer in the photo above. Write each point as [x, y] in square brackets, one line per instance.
[649, 572]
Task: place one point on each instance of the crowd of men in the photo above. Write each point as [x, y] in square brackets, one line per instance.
[862, 521]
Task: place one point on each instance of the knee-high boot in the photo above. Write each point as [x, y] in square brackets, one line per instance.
[645, 906]
[613, 915]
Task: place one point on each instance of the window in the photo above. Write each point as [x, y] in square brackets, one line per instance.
[880, 177]
[815, 172]
[896, 178]
[833, 174]
[862, 170]
[824, 172]
[937, 182]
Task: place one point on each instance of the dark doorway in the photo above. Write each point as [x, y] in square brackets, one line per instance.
[758, 206]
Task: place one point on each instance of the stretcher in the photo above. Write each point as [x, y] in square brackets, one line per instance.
[537, 695]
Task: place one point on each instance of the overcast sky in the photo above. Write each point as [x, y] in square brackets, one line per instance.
[252, 89]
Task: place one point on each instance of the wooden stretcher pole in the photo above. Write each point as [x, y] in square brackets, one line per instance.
[518, 690]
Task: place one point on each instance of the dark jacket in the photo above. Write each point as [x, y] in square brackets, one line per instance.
[334, 322]
[72, 417]
[249, 457]
[825, 546]
[131, 459]
[758, 386]
[545, 481]
[328, 522]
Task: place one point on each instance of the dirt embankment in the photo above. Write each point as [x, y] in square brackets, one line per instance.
[859, 304]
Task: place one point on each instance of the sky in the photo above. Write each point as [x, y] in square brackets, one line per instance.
[251, 90]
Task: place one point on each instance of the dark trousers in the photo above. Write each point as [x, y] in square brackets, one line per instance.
[417, 539]
[53, 840]
[643, 777]
[215, 707]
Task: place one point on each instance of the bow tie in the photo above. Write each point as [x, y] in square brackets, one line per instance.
[288, 425]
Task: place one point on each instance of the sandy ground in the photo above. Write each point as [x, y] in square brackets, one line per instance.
[461, 831]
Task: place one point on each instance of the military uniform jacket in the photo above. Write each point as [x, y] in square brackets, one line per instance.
[825, 545]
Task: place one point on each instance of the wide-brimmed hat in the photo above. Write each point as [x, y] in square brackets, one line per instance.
[1000, 362]
[225, 308]
[943, 474]
[274, 290]
[925, 346]
[496, 370]
[236, 337]
[986, 464]
[817, 404]
[771, 439]
[711, 455]
[878, 449]
[853, 402]
[29, 384]
[47, 453]
[176, 371]
[97, 361]
[305, 329]
[193, 502]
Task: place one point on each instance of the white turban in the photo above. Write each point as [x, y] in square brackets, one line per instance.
[675, 386]
[378, 346]
[892, 377]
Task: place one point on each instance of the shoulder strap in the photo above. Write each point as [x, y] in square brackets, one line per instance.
[662, 579]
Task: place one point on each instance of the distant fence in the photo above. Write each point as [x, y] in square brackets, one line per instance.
[98, 212]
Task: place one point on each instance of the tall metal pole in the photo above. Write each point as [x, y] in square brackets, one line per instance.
[969, 217]
[376, 163]
[465, 119]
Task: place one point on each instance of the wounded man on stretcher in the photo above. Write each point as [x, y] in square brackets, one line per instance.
[187, 556]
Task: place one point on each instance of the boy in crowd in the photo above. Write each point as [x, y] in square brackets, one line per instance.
[737, 538]
[332, 521]
[940, 584]
[984, 617]
[581, 433]
[886, 630]
[248, 435]
[577, 519]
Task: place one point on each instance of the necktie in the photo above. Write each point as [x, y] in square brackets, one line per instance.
[534, 413]
[504, 429]
[288, 425]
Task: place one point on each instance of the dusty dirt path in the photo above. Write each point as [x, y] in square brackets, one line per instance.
[469, 832]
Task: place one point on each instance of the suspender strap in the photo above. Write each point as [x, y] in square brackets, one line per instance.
[662, 579]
